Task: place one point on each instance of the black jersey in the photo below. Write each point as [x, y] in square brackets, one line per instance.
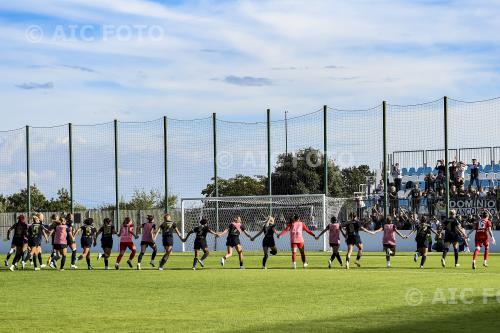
[88, 231]
[352, 228]
[451, 225]
[415, 193]
[20, 230]
[268, 231]
[235, 229]
[201, 232]
[35, 231]
[69, 232]
[423, 230]
[107, 231]
[167, 229]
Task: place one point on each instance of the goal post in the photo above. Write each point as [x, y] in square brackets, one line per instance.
[314, 210]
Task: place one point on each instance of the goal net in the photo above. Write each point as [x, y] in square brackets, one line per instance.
[315, 210]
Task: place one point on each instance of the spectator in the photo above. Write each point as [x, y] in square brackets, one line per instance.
[453, 171]
[380, 187]
[397, 175]
[430, 179]
[482, 193]
[474, 173]
[393, 200]
[440, 167]
[460, 170]
[415, 196]
[431, 202]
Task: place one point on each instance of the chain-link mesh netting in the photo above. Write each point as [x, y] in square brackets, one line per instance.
[413, 129]
[355, 137]
[313, 210]
[141, 164]
[12, 165]
[49, 165]
[301, 137]
[473, 131]
[242, 150]
[190, 156]
[94, 165]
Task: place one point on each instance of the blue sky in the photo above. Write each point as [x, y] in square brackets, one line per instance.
[238, 58]
[93, 61]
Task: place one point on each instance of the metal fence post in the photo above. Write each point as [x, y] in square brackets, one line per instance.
[216, 181]
[72, 202]
[325, 150]
[117, 194]
[384, 163]
[165, 161]
[447, 169]
[28, 172]
[269, 171]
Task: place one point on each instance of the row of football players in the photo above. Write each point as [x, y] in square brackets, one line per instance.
[27, 240]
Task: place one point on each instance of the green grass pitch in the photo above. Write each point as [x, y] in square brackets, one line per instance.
[367, 299]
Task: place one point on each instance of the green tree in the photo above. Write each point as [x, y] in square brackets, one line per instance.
[302, 173]
[352, 177]
[240, 185]
[18, 202]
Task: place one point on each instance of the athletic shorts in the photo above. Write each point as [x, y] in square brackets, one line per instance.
[390, 247]
[233, 241]
[19, 242]
[450, 237]
[70, 242]
[60, 247]
[299, 246]
[482, 242]
[86, 242]
[422, 242]
[168, 241]
[200, 244]
[126, 245]
[353, 240]
[34, 242]
[334, 244]
[268, 242]
[150, 244]
[107, 243]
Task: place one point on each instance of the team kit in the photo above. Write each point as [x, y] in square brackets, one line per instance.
[27, 240]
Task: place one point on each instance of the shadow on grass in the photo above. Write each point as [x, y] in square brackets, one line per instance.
[476, 317]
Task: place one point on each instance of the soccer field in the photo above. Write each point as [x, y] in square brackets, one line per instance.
[367, 299]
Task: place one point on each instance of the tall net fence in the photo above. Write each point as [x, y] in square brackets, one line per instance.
[190, 156]
[13, 168]
[415, 139]
[300, 139]
[141, 164]
[473, 131]
[94, 166]
[242, 150]
[355, 137]
[49, 166]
